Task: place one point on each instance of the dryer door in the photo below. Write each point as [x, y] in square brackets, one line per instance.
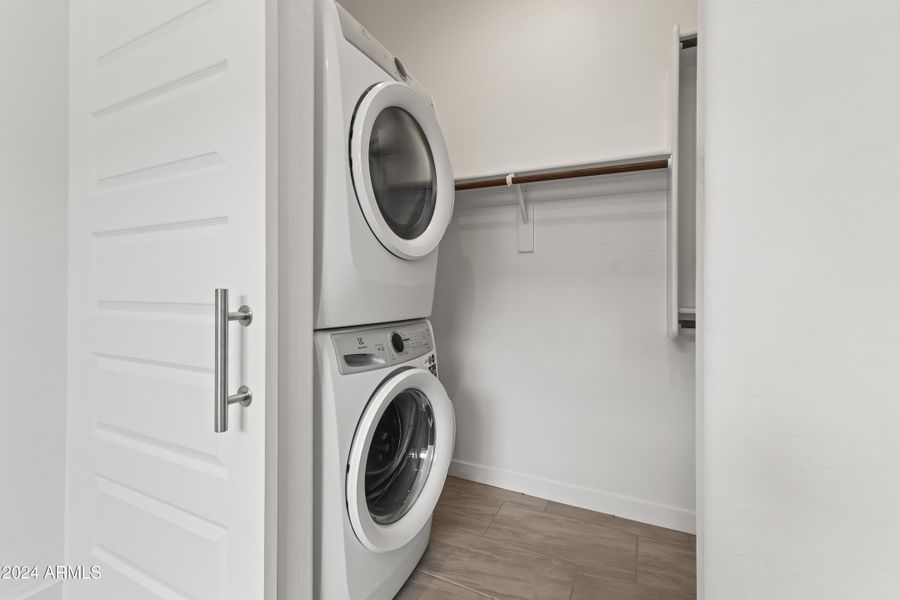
[399, 459]
[401, 170]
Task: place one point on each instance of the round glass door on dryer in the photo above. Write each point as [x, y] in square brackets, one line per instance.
[401, 169]
[399, 459]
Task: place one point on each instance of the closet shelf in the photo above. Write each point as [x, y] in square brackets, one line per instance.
[651, 164]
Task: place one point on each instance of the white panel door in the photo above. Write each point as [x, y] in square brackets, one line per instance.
[167, 203]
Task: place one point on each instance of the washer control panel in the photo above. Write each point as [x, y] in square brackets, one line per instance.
[367, 349]
[409, 341]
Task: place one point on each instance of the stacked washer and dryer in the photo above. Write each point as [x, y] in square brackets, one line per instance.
[385, 426]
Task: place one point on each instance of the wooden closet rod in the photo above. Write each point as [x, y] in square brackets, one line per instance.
[647, 165]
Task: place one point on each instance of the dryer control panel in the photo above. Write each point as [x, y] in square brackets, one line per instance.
[376, 348]
[360, 37]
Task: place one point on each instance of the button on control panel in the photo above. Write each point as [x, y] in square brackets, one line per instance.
[367, 349]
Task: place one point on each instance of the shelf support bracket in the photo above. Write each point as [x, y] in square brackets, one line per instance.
[524, 218]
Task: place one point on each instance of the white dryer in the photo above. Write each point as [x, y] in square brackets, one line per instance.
[384, 184]
[385, 430]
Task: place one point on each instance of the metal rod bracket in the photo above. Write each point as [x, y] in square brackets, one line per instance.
[522, 207]
[244, 315]
[524, 221]
[243, 397]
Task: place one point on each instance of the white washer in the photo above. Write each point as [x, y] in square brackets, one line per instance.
[384, 184]
[385, 430]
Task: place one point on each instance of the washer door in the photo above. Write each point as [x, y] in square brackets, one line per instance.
[401, 170]
[399, 459]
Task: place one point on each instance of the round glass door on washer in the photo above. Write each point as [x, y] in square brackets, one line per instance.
[401, 170]
[399, 459]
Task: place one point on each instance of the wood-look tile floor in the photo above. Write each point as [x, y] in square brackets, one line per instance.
[492, 543]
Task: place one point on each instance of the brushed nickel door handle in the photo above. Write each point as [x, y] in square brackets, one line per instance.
[244, 396]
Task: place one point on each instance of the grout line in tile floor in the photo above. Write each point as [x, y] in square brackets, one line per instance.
[637, 550]
[459, 585]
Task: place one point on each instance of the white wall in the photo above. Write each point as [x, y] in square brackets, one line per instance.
[801, 483]
[33, 163]
[564, 381]
[526, 84]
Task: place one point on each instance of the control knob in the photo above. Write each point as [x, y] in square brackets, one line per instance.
[397, 342]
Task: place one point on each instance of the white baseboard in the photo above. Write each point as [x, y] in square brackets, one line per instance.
[635, 509]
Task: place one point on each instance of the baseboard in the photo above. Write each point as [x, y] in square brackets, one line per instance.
[635, 509]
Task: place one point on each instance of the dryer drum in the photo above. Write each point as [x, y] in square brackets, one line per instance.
[402, 170]
[400, 456]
